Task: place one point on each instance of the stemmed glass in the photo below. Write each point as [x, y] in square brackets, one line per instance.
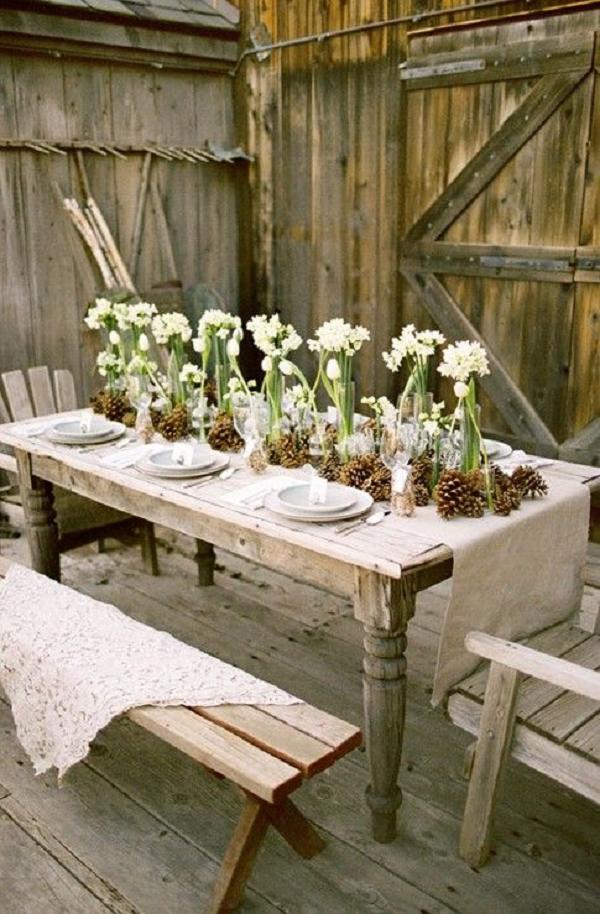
[250, 419]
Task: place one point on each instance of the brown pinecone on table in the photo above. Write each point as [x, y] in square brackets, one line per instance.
[422, 470]
[504, 489]
[502, 503]
[129, 418]
[330, 466]
[115, 406]
[293, 450]
[210, 392]
[422, 495]
[175, 424]
[358, 470]
[223, 436]
[97, 402]
[379, 485]
[529, 482]
[156, 417]
[450, 493]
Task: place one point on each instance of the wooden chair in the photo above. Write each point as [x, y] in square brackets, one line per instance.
[267, 751]
[540, 702]
[80, 520]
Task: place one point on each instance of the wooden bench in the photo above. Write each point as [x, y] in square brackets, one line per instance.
[267, 751]
[539, 701]
[80, 520]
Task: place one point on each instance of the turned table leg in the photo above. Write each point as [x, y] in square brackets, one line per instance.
[384, 606]
[40, 517]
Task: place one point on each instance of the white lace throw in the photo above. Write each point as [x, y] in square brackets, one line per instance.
[70, 664]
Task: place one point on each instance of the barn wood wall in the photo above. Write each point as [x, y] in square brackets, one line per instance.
[352, 167]
[45, 283]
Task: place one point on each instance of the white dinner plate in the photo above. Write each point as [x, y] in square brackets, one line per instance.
[362, 504]
[338, 498]
[72, 428]
[498, 450]
[219, 462]
[104, 431]
[201, 459]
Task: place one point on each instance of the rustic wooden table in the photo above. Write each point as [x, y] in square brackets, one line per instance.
[381, 568]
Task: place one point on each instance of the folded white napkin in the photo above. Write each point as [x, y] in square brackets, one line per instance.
[34, 428]
[121, 458]
[254, 491]
[520, 458]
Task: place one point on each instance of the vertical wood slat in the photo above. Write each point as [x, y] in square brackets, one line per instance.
[64, 386]
[41, 390]
[17, 395]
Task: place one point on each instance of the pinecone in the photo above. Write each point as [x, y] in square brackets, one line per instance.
[422, 470]
[529, 482]
[505, 490]
[114, 406]
[422, 495]
[379, 485]
[330, 467]
[97, 402]
[450, 493]
[473, 504]
[289, 451]
[156, 416]
[175, 424]
[358, 470]
[129, 418]
[502, 503]
[223, 436]
[210, 392]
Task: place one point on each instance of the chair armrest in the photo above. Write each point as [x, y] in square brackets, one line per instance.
[534, 663]
[8, 462]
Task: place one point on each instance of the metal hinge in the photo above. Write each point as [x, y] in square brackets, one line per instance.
[442, 69]
[525, 263]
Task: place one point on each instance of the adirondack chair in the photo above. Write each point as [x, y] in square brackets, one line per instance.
[80, 520]
[540, 702]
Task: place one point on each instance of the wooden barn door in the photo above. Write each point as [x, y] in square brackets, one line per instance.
[503, 205]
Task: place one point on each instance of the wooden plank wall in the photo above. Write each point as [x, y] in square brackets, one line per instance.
[45, 284]
[353, 167]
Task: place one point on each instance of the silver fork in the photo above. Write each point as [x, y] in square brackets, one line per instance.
[224, 474]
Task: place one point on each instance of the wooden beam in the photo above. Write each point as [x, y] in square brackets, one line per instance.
[510, 400]
[517, 129]
[541, 263]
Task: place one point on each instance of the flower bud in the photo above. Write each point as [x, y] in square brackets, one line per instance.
[286, 367]
[114, 338]
[333, 370]
[267, 363]
[461, 390]
[233, 348]
[143, 343]
[198, 344]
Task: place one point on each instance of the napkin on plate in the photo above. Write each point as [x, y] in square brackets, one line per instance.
[520, 458]
[248, 494]
[121, 458]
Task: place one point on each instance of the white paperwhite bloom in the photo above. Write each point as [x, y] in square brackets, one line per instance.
[191, 374]
[414, 344]
[140, 365]
[171, 326]
[337, 335]
[461, 390]
[298, 396]
[463, 359]
[286, 367]
[100, 314]
[272, 337]
[332, 370]
[114, 338]
[267, 363]
[233, 348]
[109, 363]
[137, 314]
[143, 343]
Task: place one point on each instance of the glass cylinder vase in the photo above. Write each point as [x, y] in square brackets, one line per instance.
[345, 423]
[222, 376]
[275, 389]
[470, 435]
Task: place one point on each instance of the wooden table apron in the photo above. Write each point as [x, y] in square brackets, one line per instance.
[382, 603]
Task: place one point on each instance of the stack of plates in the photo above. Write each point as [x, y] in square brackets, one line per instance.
[161, 463]
[497, 449]
[71, 431]
[341, 503]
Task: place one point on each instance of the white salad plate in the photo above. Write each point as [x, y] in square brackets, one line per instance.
[363, 502]
[164, 460]
[69, 431]
[218, 462]
[295, 497]
[497, 449]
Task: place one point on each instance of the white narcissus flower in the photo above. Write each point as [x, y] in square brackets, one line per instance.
[286, 367]
[100, 314]
[191, 374]
[337, 335]
[463, 359]
[114, 338]
[143, 343]
[233, 348]
[171, 326]
[267, 363]
[461, 390]
[414, 344]
[272, 336]
[332, 370]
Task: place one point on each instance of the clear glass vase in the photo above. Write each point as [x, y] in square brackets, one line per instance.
[275, 389]
[222, 376]
[422, 403]
[470, 435]
[346, 395]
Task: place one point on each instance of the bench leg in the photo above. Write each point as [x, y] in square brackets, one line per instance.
[491, 754]
[37, 498]
[148, 544]
[205, 560]
[239, 857]
[296, 829]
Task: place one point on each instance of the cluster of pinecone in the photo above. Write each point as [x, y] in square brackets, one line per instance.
[223, 435]
[367, 472]
[174, 425]
[115, 406]
[289, 451]
[463, 494]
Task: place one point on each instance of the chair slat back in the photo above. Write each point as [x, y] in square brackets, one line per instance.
[17, 395]
[41, 390]
[66, 398]
[4, 413]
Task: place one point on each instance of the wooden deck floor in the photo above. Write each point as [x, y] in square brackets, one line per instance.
[139, 829]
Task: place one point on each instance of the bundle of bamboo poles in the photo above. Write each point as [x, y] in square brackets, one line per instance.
[91, 225]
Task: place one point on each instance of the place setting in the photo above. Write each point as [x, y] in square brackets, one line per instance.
[182, 461]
